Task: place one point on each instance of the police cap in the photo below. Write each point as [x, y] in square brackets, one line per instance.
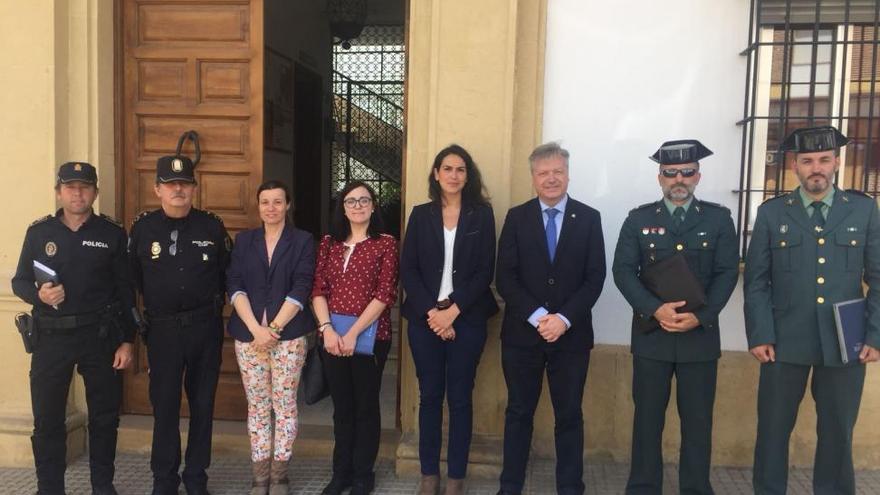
[813, 139]
[175, 168]
[680, 151]
[77, 171]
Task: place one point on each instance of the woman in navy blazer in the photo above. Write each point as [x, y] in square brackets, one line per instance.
[269, 279]
[446, 267]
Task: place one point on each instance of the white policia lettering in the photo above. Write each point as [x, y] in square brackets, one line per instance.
[97, 244]
[203, 243]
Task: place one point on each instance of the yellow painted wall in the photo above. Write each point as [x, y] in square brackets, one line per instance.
[57, 100]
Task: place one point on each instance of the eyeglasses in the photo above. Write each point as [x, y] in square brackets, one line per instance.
[172, 249]
[671, 173]
[363, 202]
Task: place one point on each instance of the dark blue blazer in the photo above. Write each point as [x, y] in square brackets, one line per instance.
[473, 262]
[569, 285]
[267, 286]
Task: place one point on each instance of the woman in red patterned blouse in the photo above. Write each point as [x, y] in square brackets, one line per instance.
[356, 275]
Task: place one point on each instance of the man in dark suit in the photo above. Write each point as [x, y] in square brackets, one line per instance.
[551, 267]
[810, 249]
[667, 341]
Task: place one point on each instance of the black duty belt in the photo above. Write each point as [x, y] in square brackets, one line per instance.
[183, 318]
[68, 322]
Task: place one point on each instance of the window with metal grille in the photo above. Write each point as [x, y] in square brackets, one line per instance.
[810, 63]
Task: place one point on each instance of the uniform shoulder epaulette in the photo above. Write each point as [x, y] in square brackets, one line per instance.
[214, 215]
[111, 220]
[40, 220]
[646, 205]
[859, 193]
[139, 217]
[773, 198]
[715, 205]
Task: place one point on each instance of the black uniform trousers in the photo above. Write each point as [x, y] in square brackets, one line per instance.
[354, 384]
[695, 398]
[184, 350]
[837, 392]
[54, 357]
[524, 374]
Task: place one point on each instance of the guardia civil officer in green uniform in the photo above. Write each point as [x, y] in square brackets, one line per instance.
[83, 319]
[179, 256]
[666, 343]
[810, 249]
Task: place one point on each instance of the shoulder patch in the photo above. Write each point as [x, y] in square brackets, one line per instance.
[858, 193]
[41, 220]
[111, 220]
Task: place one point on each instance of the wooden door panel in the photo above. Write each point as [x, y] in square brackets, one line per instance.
[193, 65]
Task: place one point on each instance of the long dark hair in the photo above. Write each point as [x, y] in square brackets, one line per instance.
[277, 184]
[340, 228]
[473, 191]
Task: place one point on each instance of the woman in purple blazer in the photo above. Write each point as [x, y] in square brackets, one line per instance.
[269, 279]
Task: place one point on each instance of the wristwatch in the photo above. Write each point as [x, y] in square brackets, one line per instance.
[444, 304]
[275, 328]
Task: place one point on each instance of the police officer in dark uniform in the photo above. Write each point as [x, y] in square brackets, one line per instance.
[84, 319]
[178, 256]
[666, 343]
[810, 248]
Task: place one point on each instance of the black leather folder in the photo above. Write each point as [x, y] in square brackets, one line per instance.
[671, 279]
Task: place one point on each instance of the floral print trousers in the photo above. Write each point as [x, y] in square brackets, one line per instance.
[271, 378]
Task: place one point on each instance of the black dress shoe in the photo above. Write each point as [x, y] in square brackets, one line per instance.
[104, 490]
[362, 487]
[336, 486]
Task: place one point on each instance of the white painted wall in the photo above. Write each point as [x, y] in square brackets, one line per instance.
[621, 78]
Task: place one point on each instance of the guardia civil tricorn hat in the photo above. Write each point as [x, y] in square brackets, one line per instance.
[179, 167]
[813, 139]
[680, 151]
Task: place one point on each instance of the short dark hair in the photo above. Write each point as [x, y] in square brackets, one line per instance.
[473, 192]
[340, 228]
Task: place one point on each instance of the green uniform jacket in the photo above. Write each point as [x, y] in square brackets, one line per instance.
[795, 273]
[708, 239]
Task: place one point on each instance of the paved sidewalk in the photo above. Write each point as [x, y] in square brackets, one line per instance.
[231, 475]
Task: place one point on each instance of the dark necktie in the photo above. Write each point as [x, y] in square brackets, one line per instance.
[678, 216]
[550, 231]
[817, 217]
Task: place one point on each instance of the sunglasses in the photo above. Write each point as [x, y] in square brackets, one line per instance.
[670, 173]
[172, 249]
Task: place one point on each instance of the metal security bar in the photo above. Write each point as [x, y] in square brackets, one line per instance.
[809, 63]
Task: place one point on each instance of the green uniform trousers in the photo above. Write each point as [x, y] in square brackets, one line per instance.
[837, 392]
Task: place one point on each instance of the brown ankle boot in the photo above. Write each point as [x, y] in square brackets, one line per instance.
[260, 485]
[278, 481]
[454, 486]
[430, 484]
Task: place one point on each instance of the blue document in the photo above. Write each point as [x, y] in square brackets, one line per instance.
[366, 339]
[849, 317]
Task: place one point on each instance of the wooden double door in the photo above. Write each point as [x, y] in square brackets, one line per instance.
[192, 65]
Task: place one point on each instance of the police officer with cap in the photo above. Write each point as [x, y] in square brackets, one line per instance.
[178, 256]
[810, 249]
[666, 342]
[83, 318]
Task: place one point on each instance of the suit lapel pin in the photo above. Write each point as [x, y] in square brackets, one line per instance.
[573, 215]
[818, 229]
[697, 207]
[789, 201]
[657, 211]
[852, 229]
[844, 198]
[701, 233]
[783, 228]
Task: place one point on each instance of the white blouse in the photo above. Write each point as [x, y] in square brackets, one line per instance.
[446, 280]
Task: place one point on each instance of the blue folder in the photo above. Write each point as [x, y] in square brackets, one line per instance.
[849, 317]
[366, 339]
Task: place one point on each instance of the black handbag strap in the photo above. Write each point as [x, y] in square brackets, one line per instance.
[194, 137]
